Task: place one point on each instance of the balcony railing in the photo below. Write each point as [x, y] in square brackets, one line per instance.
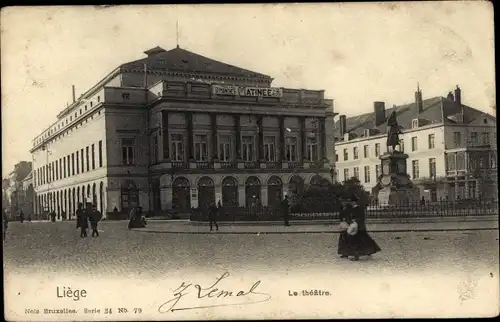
[274, 165]
[251, 165]
[204, 165]
[295, 165]
[179, 165]
[228, 165]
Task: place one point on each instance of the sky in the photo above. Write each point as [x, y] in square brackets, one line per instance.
[357, 52]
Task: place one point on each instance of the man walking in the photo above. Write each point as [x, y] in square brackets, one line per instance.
[285, 205]
[21, 216]
[212, 216]
[95, 217]
[82, 221]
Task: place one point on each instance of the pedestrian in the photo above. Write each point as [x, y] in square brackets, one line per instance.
[345, 221]
[29, 217]
[360, 243]
[212, 216]
[5, 224]
[84, 223]
[79, 213]
[131, 221]
[95, 217]
[140, 218]
[21, 216]
[285, 206]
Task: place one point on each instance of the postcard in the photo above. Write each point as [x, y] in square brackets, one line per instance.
[249, 161]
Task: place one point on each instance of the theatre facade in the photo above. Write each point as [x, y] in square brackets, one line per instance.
[177, 130]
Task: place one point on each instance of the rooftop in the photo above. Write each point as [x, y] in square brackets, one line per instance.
[434, 110]
[182, 60]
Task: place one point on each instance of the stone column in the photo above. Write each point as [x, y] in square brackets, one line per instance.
[322, 133]
[260, 138]
[215, 143]
[263, 195]
[241, 196]
[189, 122]
[165, 136]
[237, 126]
[303, 138]
[166, 197]
[282, 138]
[194, 201]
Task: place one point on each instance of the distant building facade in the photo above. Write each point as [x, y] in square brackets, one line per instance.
[451, 147]
[177, 130]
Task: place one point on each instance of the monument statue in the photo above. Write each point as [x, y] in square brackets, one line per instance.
[394, 187]
[393, 132]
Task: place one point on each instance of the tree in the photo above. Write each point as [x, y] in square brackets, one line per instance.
[21, 170]
[354, 188]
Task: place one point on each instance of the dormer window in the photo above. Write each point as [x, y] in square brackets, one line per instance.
[414, 124]
[126, 96]
[367, 133]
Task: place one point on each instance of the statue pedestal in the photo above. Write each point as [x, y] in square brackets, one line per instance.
[394, 185]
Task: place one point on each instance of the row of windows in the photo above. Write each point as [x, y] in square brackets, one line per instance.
[366, 151]
[66, 122]
[68, 166]
[473, 139]
[226, 149]
[367, 175]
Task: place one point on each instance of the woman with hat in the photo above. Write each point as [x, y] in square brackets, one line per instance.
[345, 220]
[360, 243]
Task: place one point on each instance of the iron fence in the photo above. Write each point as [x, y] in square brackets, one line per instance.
[330, 211]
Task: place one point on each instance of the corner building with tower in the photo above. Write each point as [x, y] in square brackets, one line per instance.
[175, 131]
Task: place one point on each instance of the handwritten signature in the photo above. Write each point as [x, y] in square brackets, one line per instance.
[212, 292]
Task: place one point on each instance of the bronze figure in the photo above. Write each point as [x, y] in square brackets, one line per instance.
[393, 132]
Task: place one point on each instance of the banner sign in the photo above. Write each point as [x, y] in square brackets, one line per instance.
[224, 90]
[247, 91]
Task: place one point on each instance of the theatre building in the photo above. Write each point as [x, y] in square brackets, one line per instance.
[177, 130]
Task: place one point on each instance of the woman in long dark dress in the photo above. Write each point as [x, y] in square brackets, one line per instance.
[345, 214]
[361, 244]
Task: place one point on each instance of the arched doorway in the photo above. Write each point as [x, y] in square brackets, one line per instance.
[70, 204]
[206, 192]
[65, 203]
[274, 191]
[59, 203]
[129, 196]
[101, 197]
[76, 196]
[252, 192]
[94, 195]
[230, 192]
[181, 198]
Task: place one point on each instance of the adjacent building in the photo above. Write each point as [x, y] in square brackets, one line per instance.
[176, 130]
[451, 146]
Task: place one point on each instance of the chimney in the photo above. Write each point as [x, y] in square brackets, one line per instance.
[458, 96]
[342, 125]
[418, 100]
[450, 96]
[74, 95]
[379, 110]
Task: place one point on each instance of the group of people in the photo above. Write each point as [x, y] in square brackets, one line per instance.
[354, 240]
[86, 215]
